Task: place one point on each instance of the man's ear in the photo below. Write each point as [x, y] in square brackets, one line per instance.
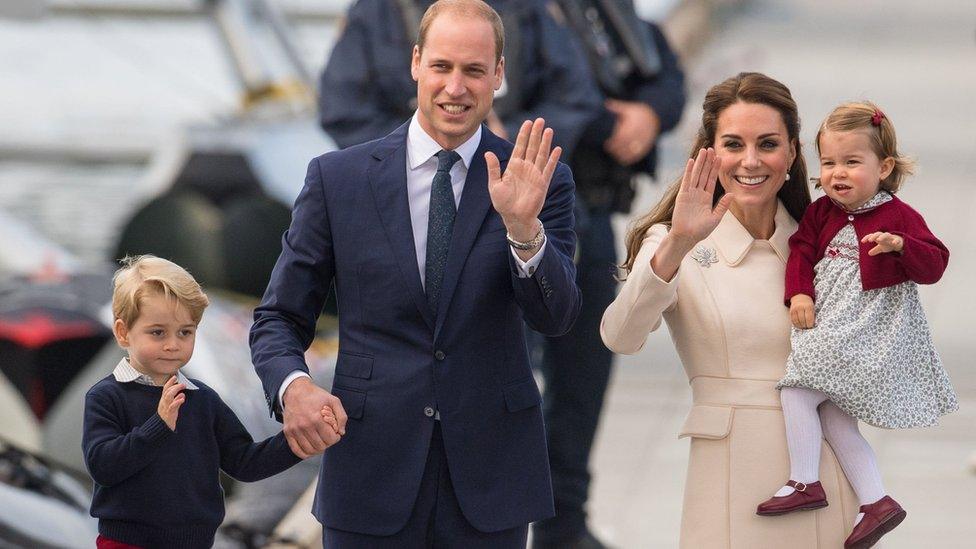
[499, 73]
[415, 64]
[121, 333]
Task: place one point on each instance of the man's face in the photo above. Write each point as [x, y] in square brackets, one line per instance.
[456, 77]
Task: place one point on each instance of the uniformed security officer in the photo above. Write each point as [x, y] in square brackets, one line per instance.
[644, 89]
[366, 89]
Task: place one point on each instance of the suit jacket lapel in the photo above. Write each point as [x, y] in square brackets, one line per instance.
[474, 206]
[388, 180]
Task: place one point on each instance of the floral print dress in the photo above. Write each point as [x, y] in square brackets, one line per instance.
[870, 352]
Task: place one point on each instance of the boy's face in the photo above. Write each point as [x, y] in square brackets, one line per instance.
[161, 339]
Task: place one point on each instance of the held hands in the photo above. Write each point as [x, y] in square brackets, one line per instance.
[519, 194]
[694, 218]
[802, 312]
[170, 402]
[329, 416]
[309, 429]
[634, 133]
[886, 242]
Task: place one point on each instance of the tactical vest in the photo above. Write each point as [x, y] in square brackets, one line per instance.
[617, 43]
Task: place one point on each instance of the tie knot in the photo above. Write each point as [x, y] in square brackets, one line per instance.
[446, 159]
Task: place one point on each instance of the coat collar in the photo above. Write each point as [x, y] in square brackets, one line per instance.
[734, 241]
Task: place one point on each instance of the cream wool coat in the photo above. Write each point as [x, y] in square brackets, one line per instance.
[732, 333]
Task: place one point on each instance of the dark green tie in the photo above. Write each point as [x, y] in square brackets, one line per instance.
[440, 225]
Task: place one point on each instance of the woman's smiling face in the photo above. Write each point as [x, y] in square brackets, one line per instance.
[756, 153]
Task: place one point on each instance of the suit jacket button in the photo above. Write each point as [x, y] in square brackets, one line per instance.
[429, 412]
[439, 355]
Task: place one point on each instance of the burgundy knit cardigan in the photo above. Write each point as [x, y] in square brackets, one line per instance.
[923, 258]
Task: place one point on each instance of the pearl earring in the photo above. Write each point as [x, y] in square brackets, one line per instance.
[787, 177]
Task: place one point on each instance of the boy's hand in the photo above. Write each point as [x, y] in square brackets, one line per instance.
[306, 432]
[801, 311]
[170, 402]
[329, 416]
[886, 242]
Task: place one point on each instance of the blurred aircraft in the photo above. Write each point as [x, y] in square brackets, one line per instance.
[227, 193]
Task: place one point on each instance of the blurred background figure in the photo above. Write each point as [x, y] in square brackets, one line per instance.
[643, 93]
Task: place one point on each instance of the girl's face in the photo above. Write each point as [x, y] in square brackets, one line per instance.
[756, 153]
[850, 171]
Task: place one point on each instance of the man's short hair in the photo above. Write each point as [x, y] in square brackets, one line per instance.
[150, 275]
[464, 8]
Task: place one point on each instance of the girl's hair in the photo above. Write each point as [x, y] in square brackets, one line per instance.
[746, 87]
[867, 117]
[150, 275]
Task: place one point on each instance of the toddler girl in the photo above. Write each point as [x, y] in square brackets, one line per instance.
[861, 344]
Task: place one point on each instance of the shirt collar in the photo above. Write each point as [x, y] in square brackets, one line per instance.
[880, 198]
[125, 373]
[421, 146]
[734, 241]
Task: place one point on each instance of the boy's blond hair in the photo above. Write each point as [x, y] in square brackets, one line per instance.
[150, 275]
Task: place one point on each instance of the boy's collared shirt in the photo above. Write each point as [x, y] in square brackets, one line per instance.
[125, 373]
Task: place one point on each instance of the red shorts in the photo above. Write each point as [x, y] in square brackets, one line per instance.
[103, 542]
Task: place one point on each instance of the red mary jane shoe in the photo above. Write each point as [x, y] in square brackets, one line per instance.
[805, 497]
[879, 518]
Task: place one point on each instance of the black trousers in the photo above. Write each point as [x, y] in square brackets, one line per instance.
[577, 368]
[436, 521]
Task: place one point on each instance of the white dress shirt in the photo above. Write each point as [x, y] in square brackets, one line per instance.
[421, 167]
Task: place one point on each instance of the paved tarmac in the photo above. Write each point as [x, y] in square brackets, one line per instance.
[918, 61]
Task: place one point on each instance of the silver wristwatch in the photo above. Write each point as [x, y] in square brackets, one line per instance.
[536, 241]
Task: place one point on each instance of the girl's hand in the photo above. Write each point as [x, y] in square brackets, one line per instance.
[802, 312]
[170, 402]
[694, 218]
[886, 242]
[329, 416]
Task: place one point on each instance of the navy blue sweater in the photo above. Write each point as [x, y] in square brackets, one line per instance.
[159, 488]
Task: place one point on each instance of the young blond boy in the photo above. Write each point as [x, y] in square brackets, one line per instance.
[154, 441]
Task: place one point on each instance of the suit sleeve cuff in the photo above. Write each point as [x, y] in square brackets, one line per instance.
[284, 385]
[525, 269]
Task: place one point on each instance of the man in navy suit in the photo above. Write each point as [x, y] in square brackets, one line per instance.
[442, 442]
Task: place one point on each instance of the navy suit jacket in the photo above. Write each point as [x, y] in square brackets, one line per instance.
[397, 357]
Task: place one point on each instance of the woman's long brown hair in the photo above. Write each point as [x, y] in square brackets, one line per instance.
[747, 87]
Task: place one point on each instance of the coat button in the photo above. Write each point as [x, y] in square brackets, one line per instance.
[429, 412]
[439, 355]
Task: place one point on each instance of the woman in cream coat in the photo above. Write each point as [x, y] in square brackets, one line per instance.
[710, 260]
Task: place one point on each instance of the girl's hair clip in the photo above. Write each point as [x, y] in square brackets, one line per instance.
[877, 117]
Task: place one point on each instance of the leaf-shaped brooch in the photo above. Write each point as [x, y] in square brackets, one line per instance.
[704, 256]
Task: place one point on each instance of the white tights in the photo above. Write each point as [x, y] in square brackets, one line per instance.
[805, 429]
